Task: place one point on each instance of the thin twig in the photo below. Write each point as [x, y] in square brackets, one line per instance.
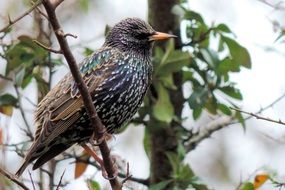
[207, 131]
[69, 34]
[11, 22]
[13, 178]
[23, 112]
[128, 176]
[47, 48]
[94, 119]
[259, 117]
[34, 188]
[58, 185]
[6, 78]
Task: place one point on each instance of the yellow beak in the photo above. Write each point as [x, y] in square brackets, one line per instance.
[160, 36]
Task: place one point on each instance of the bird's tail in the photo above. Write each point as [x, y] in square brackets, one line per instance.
[22, 168]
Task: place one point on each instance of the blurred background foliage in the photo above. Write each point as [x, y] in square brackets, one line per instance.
[194, 71]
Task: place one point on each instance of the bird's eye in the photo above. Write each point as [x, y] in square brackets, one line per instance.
[142, 36]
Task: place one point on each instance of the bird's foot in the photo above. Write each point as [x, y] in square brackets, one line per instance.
[104, 136]
[100, 162]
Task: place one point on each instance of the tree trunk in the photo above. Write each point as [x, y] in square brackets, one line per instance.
[164, 138]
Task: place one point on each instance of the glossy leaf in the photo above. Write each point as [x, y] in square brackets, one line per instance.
[223, 28]
[198, 98]
[197, 113]
[93, 185]
[232, 92]
[173, 63]
[163, 109]
[247, 186]
[224, 109]
[8, 100]
[238, 53]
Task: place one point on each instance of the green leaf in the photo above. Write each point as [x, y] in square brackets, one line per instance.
[167, 81]
[238, 53]
[84, 5]
[224, 109]
[197, 113]
[248, 186]
[240, 118]
[192, 15]
[8, 100]
[227, 65]
[174, 62]
[160, 186]
[223, 28]
[211, 105]
[163, 109]
[93, 185]
[232, 92]
[20, 77]
[198, 98]
[147, 142]
[174, 161]
[210, 57]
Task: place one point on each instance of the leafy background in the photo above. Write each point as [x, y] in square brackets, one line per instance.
[215, 74]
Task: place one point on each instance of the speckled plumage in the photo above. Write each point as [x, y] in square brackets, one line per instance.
[117, 76]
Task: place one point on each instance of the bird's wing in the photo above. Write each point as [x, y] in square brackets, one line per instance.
[62, 106]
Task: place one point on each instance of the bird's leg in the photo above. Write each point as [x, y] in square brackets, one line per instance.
[97, 158]
[106, 136]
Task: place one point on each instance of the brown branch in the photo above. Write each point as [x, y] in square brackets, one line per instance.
[47, 48]
[99, 129]
[69, 34]
[13, 178]
[207, 131]
[11, 22]
[6, 78]
[259, 117]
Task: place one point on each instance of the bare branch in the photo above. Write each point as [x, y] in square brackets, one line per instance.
[94, 119]
[69, 34]
[31, 178]
[59, 183]
[29, 132]
[259, 117]
[6, 78]
[206, 131]
[13, 178]
[47, 48]
[11, 22]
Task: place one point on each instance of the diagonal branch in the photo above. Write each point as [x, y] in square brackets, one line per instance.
[259, 117]
[11, 22]
[12, 178]
[94, 119]
[207, 131]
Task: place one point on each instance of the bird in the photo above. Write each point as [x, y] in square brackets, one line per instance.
[117, 76]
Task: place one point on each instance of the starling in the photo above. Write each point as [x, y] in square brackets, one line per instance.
[117, 76]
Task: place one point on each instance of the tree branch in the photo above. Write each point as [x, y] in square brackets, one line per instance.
[94, 119]
[11, 22]
[259, 117]
[13, 178]
[207, 131]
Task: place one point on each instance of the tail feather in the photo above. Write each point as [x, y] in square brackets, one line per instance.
[22, 168]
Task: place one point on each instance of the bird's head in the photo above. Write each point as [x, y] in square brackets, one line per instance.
[133, 34]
